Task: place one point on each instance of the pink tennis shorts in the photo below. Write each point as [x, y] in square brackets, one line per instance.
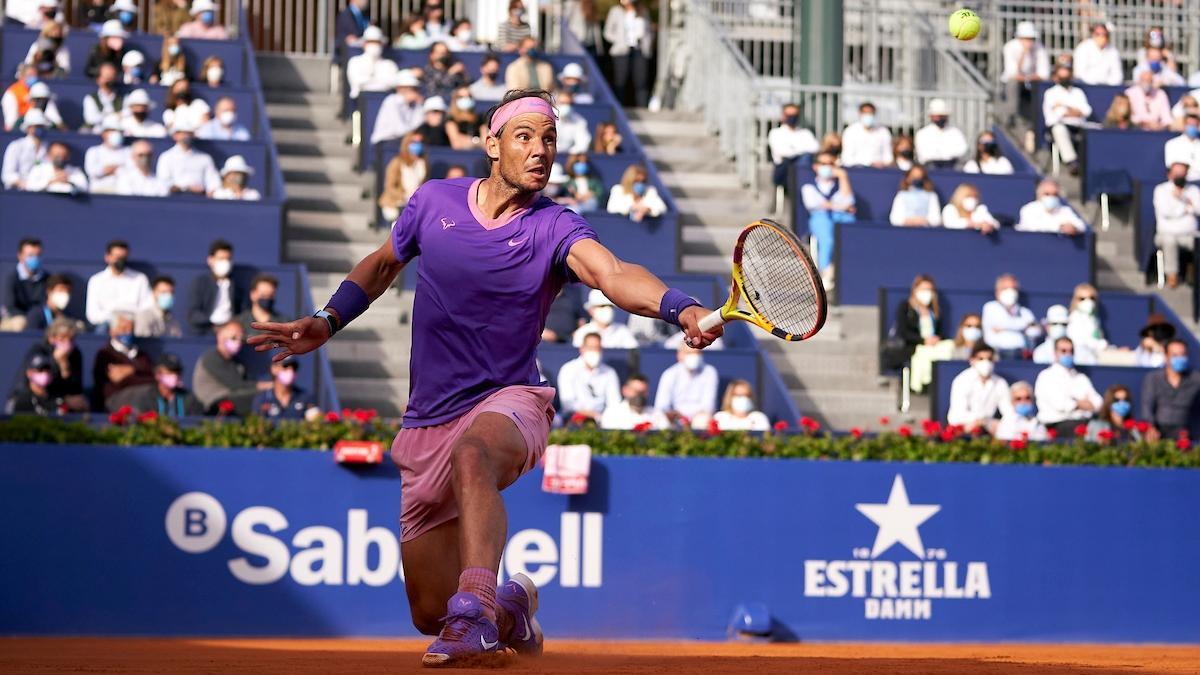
[423, 454]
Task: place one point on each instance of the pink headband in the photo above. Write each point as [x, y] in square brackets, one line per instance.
[529, 104]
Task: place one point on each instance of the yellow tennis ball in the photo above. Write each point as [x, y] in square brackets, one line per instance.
[964, 24]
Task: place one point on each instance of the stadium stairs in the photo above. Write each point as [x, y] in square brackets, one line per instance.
[328, 227]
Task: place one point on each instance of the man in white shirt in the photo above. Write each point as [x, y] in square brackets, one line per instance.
[105, 101]
[1185, 148]
[489, 86]
[137, 178]
[39, 97]
[213, 299]
[185, 169]
[370, 71]
[612, 335]
[1176, 205]
[224, 124]
[116, 288]
[939, 145]
[570, 79]
[1058, 318]
[102, 162]
[400, 112]
[634, 411]
[1096, 60]
[57, 174]
[574, 137]
[1026, 62]
[135, 119]
[1065, 109]
[1065, 397]
[1049, 212]
[865, 143]
[24, 153]
[789, 141]
[688, 389]
[1007, 325]
[977, 394]
[1020, 422]
[586, 385]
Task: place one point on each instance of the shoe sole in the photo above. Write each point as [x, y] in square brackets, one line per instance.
[531, 592]
[482, 659]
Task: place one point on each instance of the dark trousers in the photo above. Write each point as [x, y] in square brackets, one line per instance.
[633, 65]
[1066, 428]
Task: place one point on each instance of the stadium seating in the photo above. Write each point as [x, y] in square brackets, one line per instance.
[1012, 153]
[1099, 96]
[1112, 159]
[69, 95]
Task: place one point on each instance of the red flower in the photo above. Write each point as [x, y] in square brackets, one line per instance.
[1025, 435]
[363, 416]
[125, 410]
[948, 434]
[1105, 436]
[1051, 433]
[685, 422]
[347, 413]
[884, 421]
[332, 416]
[977, 431]
[225, 407]
[643, 427]
[1081, 430]
[1018, 444]
[148, 416]
[1143, 426]
[1129, 424]
[1183, 444]
[781, 425]
[578, 419]
[856, 433]
[904, 431]
[714, 429]
[116, 419]
[930, 427]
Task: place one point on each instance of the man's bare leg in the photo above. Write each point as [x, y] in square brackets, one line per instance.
[431, 568]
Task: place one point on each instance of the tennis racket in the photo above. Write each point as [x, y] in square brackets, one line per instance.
[775, 276]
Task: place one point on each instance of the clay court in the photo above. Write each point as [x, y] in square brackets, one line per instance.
[292, 657]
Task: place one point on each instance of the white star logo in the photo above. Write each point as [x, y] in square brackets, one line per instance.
[898, 520]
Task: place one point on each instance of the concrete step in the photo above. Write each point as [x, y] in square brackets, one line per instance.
[696, 180]
[362, 368]
[330, 220]
[295, 72]
[678, 115]
[324, 110]
[687, 158]
[705, 264]
[298, 97]
[660, 129]
[315, 164]
[370, 351]
[315, 137]
[348, 253]
[338, 192]
[360, 234]
[374, 388]
[342, 203]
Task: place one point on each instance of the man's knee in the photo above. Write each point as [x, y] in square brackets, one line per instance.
[469, 460]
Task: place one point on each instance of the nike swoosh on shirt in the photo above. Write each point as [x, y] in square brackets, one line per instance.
[517, 243]
[488, 645]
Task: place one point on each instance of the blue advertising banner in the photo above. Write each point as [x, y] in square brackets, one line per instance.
[194, 541]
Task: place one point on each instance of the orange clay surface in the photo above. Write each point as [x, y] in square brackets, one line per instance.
[294, 657]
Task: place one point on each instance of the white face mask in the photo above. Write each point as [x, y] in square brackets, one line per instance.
[59, 300]
[741, 405]
[1056, 330]
[216, 74]
[227, 118]
[984, 367]
[693, 362]
[221, 268]
[924, 296]
[969, 203]
[465, 104]
[373, 49]
[114, 139]
[591, 359]
[1086, 306]
[603, 315]
[1008, 297]
[1049, 202]
[463, 35]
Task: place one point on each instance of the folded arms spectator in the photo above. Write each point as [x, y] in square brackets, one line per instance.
[116, 287]
[939, 145]
[1049, 213]
[1065, 109]
[788, 142]
[1065, 396]
[1008, 327]
[978, 395]
[120, 367]
[635, 197]
[1170, 395]
[915, 203]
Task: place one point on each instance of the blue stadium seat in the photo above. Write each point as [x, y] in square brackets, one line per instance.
[69, 95]
[1112, 159]
[1099, 96]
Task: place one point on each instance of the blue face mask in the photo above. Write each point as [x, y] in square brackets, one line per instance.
[1156, 67]
[136, 72]
[639, 188]
[1179, 364]
[1024, 409]
[1122, 408]
[173, 50]
[32, 263]
[533, 53]
[1192, 132]
[1067, 360]
[166, 301]
[416, 147]
[581, 168]
[39, 132]
[126, 339]
[126, 18]
[207, 18]
[30, 80]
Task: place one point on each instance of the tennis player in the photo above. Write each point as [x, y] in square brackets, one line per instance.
[493, 255]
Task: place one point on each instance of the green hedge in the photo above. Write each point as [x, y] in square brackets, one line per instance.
[930, 443]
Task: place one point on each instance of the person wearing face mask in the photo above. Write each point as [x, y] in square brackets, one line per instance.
[513, 30]
[1116, 410]
[224, 125]
[110, 49]
[903, 152]
[124, 11]
[1026, 62]
[170, 15]
[789, 142]
[462, 38]
[966, 212]
[220, 374]
[635, 197]
[26, 284]
[433, 124]
[1084, 327]
[584, 190]
[1049, 213]
[988, 158]
[630, 35]
[1057, 319]
[214, 299]
[1008, 327]
[105, 101]
[1149, 108]
[120, 368]
[435, 20]
[688, 389]
[1185, 148]
[57, 174]
[204, 23]
[978, 395]
[116, 287]
[866, 142]
[915, 203]
[1065, 396]
[1152, 338]
[136, 121]
[1065, 109]
[24, 154]
[405, 173]
[570, 80]
[940, 145]
[183, 169]
[829, 199]
[17, 99]
[1020, 420]
[1176, 207]
[172, 63]
[401, 112]
[1170, 395]
[55, 304]
[529, 70]
[234, 177]
[283, 400]
[916, 338]
[1161, 68]
[168, 397]
[184, 107]
[370, 71]
[1096, 60]
[212, 72]
[91, 14]
[1188, 103]
[351, 24]
[159, 320]
[613, 335]
[102, 162]
[573, 134]
[1120, 114]
[137, 178]
[48, 54]
[465, 126]
[66, 362]
[968, 335]
[586, 385]
[488, 87]
[737, 411]
[133, 72]
[412, 34]
[634, 410]
[32, 396]
[261, 307]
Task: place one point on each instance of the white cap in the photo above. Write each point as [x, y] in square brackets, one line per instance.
[1057, 314]
[558, 175]
[138, 97]
[202, 6]
[237, 164]
[938, 107]
[433, 103]
[1026, 29]
[39, 90]
[124, 6]
[133, 58]
[183, 122]
[405, 78]
[48, 3]
[572, 70]
[372, 34]
[34, 117]
[110, 123]
[113, 28]
[596, 298]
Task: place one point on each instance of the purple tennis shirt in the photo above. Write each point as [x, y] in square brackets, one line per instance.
[484, 288]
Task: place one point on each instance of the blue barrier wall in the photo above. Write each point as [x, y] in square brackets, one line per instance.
[1145, 221]
[1113, 158]
[193, 541]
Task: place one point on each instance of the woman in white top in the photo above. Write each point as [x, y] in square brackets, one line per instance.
[1083, 326]
[916, 204]
[172, 63]
[966, 212]
[635, 197]
[737, 411]
[988, 158]
[181, 101]
[234, 175]
[413, 35]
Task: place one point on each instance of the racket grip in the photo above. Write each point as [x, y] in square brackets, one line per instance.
[711, 321]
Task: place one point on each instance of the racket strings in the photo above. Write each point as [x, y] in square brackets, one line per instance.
[778, 284]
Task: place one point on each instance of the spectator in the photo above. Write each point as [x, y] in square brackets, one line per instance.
[103, 102]
[1026, 62]
[529, 70]
[224, 124]
[584, 190]
[184, 169]
[120, 368]
[465, 127]
[212, 72]
[613, 335]
[1048, 213]
[433, 124]
[116, 287]
[1019, 422]
[513, 31]
[102, 162]
[1176, 205]
[283, 400]
[462, 37]
[1065, 396]
[968, 335]
[182, 106]
[1007, 325]
[567, 313]
[110, 49]
[635, 197]
[1120, 113]
[39, 98]
[829, 199]
[1185, 148]
[939, 145]
[1153, 337]
[832, 143]
[587, 385]
[57, 174]
[26, 12]
[214, 299]
[687, 391]
[915, 203]
[221, 376]
[401, 112]
[1162, 70]
[137, 178]
[27, 283]
[435, 20]
[412, 34]
[556, 185]
[172, 63]
[488, 87]
[919, 326]
[370, 70]
[654, 332]
[443, 74]
[1169, 395]
[124, 11]
[48, 56]
[573, 135]
[405, 173]
[866, 143]
[23, 154]
[1188, 104]
[92, 14]
[66, 362]
[633, 412]
[1149, 107]
[261, 307]
[170, 15]
[570, 80]
[168, 397]
[1116, 410]
[630, 34]
[789, 142]
[204, 23]
[234, 176]
[137, 124]
[1066, 110]
[1156, 39]
[1084, 327]
[1056, 322]
[977, 394]
[32, 395]
[17, 99]
[904, 152]
[966, 212]
[988, 158]
[158, 320]
[133, 73]
[1096, 60]
[349, 27]
[606, 141]
[737, 411]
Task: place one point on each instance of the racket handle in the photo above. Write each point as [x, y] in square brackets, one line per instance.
[711, 321]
